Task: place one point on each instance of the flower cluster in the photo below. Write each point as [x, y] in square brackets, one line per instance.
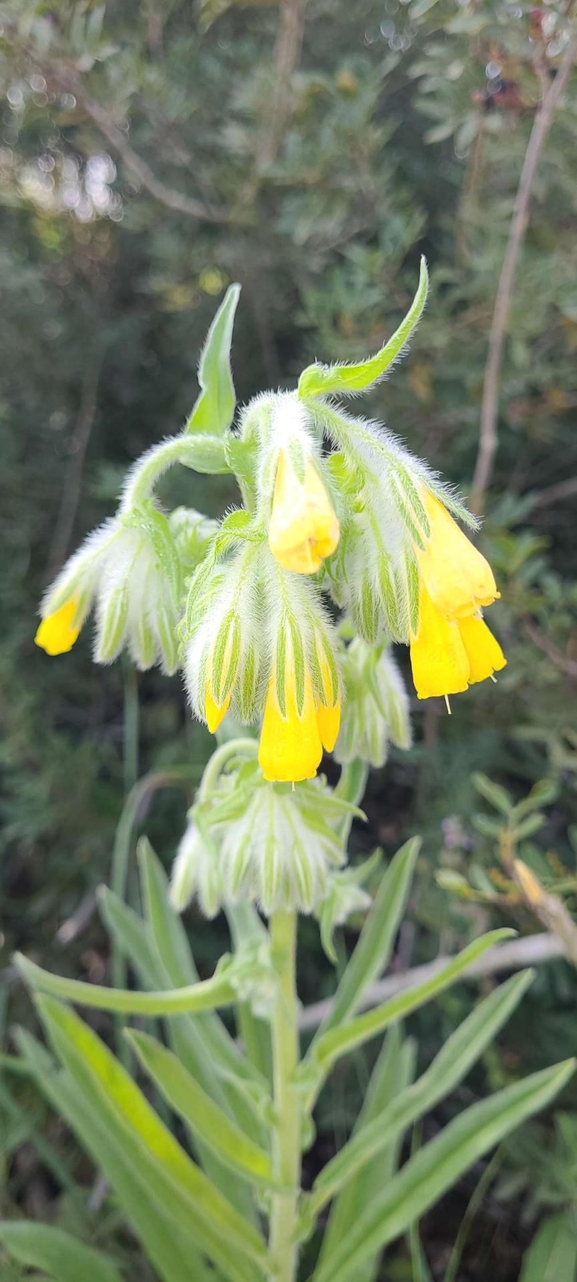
[280, 847]
[337, 515]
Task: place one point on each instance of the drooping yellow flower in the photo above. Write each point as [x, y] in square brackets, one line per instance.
[452, 648]
[59, 630]
[449, 655]
[483, 650]
[290, 747]
[455, 574]
[303, 527]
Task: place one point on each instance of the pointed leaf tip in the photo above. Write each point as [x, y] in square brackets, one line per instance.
[215, 405]
[324, 380]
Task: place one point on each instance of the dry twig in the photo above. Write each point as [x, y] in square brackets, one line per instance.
[489, 406]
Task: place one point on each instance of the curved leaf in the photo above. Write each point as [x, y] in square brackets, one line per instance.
[57, 1253]
[322, 380]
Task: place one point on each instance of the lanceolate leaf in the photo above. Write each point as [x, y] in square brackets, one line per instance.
[392, 1074]
[178, 1186]
[321, 380]
[437, 1166]
[196, 1108]
[56, 1253]
[339, 1041]
[552, 1256]
[170, 1247]
[215, 406]
[206, 995]
[449, 1067]
[377, 937]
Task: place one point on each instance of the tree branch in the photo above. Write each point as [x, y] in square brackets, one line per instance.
[489, 407]
[73, 473]
[67, 78]
[286, 58]
[139, 168]
[510, 956]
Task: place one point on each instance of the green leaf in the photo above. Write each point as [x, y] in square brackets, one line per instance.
[335, 1043]
[552, 1256]
[392, 1074]
[206, 995]
[214, 408]
[497, 796]
[542, 794]
[180, 1188]
[171, 943]
[57, 1253]
[529, 826]
[169, 1246]
[198, 1110]
[450, 1066]
[376, 940]
[322, 380]
[436, 1167]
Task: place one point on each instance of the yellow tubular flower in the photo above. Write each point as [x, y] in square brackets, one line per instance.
[447, 656]
[303, 526]
[483, 650]
[438, 656]
[58, 631]
[457, 577]
[290, 746]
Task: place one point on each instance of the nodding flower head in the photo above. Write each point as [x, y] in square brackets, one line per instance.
[129, 568]
[252, 839]
[68, 601]
[303, 698]
[451, 646]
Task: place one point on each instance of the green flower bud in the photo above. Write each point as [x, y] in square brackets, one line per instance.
[195, 872]
[376, 707]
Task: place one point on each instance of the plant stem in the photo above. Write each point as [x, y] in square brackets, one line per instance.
[287, 1129]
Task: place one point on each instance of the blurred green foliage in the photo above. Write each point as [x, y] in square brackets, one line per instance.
[150, 155]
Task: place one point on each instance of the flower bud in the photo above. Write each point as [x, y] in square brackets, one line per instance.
[138, 602]
[376, 706]
[192, 533]
[303, 526]
[69, 600]
[294, 484]
[278, 852]
[223, 655]
[195, 872]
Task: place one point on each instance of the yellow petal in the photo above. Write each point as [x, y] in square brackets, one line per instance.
[214, 712]
[303, 526]
[58, 631]
[329, 723]
[457, 577]
[290, 747]
[438, 656]
[483, 650]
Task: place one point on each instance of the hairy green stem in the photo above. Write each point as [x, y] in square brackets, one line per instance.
[225, 753]
[287, 1129]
